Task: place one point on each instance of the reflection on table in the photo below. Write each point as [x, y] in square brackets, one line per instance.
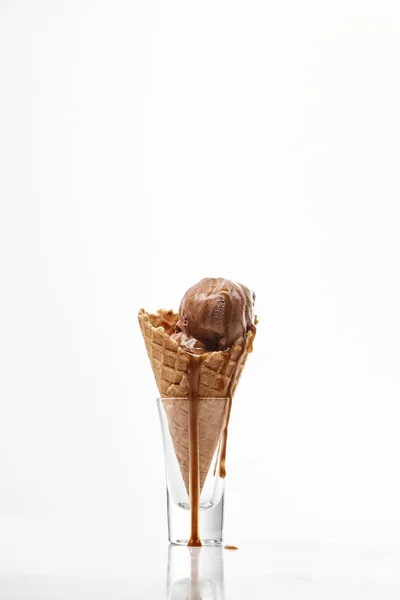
[195, 573]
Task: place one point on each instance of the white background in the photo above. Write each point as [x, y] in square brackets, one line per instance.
[145, 145]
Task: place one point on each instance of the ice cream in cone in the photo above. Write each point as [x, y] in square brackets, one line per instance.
[199, 354]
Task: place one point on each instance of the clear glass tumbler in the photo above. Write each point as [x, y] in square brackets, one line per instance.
[174, 416]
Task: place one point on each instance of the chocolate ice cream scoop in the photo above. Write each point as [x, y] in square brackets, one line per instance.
[214, 313]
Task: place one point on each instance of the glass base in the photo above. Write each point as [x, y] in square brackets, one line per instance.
[205, 542]
[210, 525]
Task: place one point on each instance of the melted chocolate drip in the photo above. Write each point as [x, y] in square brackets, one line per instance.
[194, 459]
[195, 363]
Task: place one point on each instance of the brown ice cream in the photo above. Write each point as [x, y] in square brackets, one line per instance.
[213, 314]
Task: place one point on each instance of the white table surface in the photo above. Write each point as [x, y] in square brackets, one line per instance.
[66, 558]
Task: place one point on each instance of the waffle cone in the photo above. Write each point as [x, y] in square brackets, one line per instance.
[220, 374]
